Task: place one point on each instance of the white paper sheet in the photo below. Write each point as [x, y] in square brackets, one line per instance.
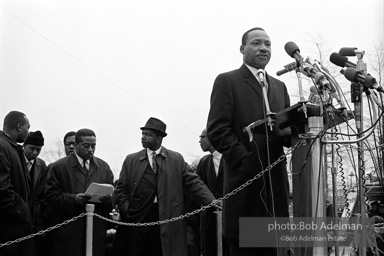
[97, 190]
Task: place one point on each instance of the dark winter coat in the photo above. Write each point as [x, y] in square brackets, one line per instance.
[236, 102]
[173, 176]
[38, 182]
[15, 200]
[66, 179]
[208, 225]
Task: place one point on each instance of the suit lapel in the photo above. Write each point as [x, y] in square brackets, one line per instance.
[271, 88]
[76, 165]
[36, 172]
[24, 166]
[212, 174]
[220, 168]
[251, 80]
[92, 167]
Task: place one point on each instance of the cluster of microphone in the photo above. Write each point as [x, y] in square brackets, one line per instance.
[312, 70]
[351, 73]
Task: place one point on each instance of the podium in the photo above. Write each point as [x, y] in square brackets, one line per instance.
[306, 161]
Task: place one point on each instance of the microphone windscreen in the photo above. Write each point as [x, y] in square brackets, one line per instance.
[291, 48]
[338, 60]
[313, 89]
[351, 74]
[369, 81]
[347, 51]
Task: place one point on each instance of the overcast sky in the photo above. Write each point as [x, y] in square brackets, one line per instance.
[110, 65]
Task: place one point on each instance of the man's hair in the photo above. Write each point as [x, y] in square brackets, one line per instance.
[12, 119]
[83, 133]
[69, 134]
[245, 35]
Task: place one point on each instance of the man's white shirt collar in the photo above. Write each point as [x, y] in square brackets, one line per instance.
[149, 154]
[254, 71]
[29, 161]
[216, 161]
[81, 160]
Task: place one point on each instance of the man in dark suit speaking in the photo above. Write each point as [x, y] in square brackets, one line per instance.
[237, 100]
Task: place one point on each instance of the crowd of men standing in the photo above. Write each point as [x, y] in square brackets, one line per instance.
[35, 196]
[153, 182]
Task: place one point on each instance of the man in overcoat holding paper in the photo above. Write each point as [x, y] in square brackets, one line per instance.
[69, 179]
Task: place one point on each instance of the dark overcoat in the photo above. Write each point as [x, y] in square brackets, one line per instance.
[208, 221]
[15, 200]
[207, 173]
[38, 182]
[66, 179]
[173, 175]
[236, 102]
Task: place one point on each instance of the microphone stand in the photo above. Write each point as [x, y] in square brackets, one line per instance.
[301, 94]
[361, 66]
[269, 114]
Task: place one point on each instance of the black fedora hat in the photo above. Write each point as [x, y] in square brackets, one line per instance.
[157, 125]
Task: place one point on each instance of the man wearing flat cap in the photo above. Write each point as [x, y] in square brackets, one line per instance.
[38, 172]
[150, 188]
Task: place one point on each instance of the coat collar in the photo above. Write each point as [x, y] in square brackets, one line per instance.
[19, 150]
[11, 141]
[143, 153]
[93, 165]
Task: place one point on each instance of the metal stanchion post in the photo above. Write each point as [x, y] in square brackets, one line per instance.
[90, 208]
[218, 232]
[315, 125]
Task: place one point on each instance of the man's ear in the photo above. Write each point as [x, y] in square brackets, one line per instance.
[242, 49]
[19, 126]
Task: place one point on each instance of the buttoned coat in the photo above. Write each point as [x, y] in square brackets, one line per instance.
[236, 102]
[66, 179]
[38, 182]
[15, 200]
[173, 175]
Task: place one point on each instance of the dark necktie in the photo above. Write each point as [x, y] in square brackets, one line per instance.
[84, 165]
[31, 174]
[85, 168]
[154, 162]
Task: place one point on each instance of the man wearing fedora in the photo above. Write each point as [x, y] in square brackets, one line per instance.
[38, 172]
[150, 189]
